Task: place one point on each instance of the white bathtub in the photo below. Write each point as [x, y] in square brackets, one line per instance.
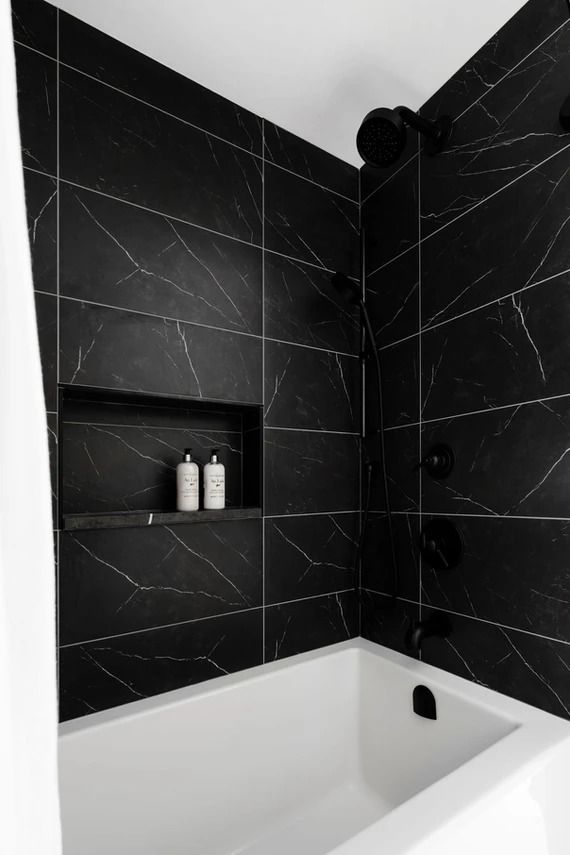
[319, 753]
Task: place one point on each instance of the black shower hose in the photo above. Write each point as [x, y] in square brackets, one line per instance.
[369, 466]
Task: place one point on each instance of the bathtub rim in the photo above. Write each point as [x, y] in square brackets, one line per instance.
[518, 756]
[517, 712]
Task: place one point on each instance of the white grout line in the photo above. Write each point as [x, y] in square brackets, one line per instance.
[390, 177]
[313, 430]
[473, 103]
[427, 328]
[166, 216]
[206, 617]
[510, 71]
[198, 324]
[500, 299]
[473, 207]
[143, 427]
[312, 181]
[477, 516]
[479, 412]
[311, 514]
[313, 347]
[478, 619]
[191, 124]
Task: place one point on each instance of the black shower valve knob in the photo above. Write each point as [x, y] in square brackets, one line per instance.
[438, 462]
[440, 544]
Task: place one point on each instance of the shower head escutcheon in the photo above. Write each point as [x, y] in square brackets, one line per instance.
[382, 135]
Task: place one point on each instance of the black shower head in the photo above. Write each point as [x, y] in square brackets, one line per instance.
[347, 289]
[382, 135]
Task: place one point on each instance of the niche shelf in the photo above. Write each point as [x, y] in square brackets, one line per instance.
[118, 453]
[142, 519]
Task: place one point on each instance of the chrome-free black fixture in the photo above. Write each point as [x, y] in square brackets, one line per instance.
[438, 462]
[437, 625]
[440, 544]
[423, 702]
[382, 135]
[351, 292]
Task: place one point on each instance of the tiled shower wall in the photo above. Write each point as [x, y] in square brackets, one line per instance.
[183, 246]
[468, 276]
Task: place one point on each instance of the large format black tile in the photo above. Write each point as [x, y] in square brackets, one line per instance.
[46, 316]
[528, 668]
[385, 620]
[114, 581]
[392, 299]
[512, 128]
[514, 572]
[402, 448]
[402, 452]
[305, 556]
[400, 375]
[390, 218]
[101, 56]
[373, 177]
[37, 109]
[123, 256]
[533, 23]
[525, 334]
[310, 472]
[41, 208]
[309, 223]
[377, 568]
[518, 237]
[119, 350]
[307, 624]
[510, 461]
[117, 145]
[299, 156]
[129, 468]
[302, 306]
[314, 389]
[116, 671]
[35, 24]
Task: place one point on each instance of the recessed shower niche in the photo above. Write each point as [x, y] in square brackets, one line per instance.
[118, 455]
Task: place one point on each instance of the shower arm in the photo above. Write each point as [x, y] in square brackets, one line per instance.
[425, 126]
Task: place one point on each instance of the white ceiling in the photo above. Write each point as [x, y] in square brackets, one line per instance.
[315, 67]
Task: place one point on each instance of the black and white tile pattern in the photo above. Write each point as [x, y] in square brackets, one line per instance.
[485, 280]
[189, 260]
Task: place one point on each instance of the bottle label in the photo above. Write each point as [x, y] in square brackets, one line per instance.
[189, 485]
[214, 486]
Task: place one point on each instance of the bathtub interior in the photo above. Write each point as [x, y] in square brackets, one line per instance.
[298, 759]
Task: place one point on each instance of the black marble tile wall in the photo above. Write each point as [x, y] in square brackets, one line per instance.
[479, 294]
[297, 626]
[183, 248]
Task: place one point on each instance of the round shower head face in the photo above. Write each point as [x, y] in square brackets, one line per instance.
[381, 137]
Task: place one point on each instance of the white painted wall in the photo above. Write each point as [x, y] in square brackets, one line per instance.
[314, 67]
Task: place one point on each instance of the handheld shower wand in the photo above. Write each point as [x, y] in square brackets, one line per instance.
[352, 293]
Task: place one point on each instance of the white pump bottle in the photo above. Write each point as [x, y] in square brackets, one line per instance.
[214, 483]
[187, 496]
